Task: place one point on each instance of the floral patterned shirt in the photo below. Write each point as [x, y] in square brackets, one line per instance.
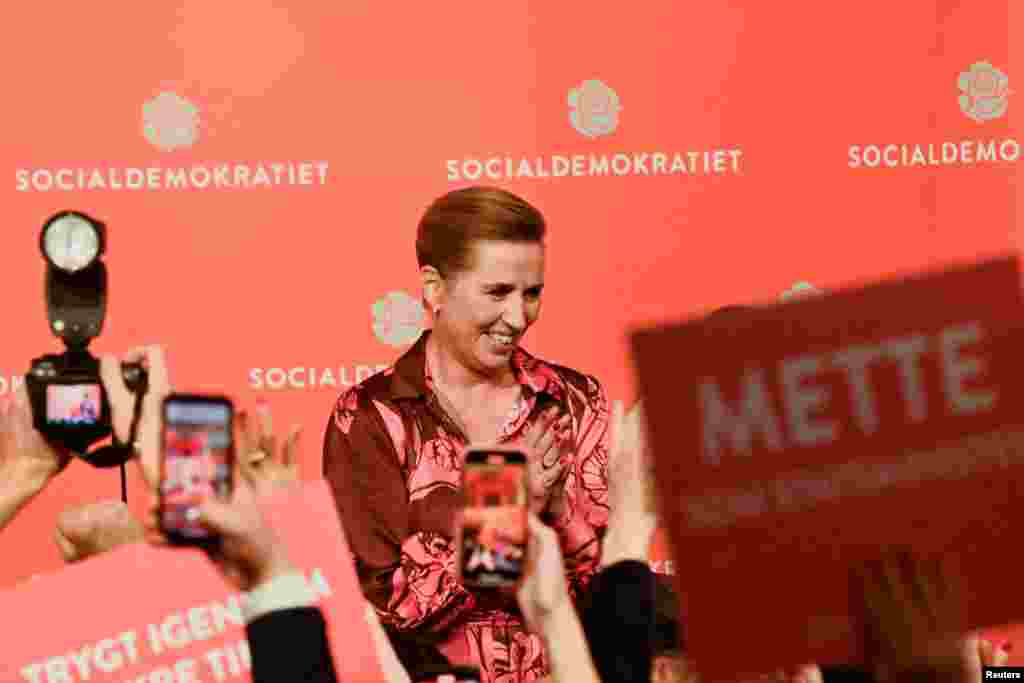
[393, 458]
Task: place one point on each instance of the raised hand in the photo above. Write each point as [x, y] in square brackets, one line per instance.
[263, 464]
[912, 621]
[543, 590]
[631, 497]
[122, 405]
[24, 454]
[546, 441]
[95, 528]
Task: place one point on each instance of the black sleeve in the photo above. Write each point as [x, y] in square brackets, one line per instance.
[418, 655]
[618, 616]
[290, 645]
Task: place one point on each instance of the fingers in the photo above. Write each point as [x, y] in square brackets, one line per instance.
[1002, 654]
[994, 653]
[635, 417]
[893, 577]
[551, 476]
[563, 436]
[549, 447]
[219, 517]
[243, 438]
[253, 431]
[289, 457]
[260, 464]
[474, 517]
[540, 426]
[488, 536]
[542, 534]
[122, 401]
[21, 397]
[151, 523]
[986, 650]
[523, 594]
[153, 358]
[265, 439]
[923, 580]
[869, 580]
[543, 444]
[20, 411]
[96, 528]
[617, 426]
[535, 529]
[246, 440]
[258, 434]
[67, 549]
[158, 388]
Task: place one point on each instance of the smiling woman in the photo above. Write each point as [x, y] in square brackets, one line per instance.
[393, 451]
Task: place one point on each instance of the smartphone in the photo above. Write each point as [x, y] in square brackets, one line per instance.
[196, 463]
[492, 529]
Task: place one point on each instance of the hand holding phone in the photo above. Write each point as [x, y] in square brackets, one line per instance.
[196, 463]
[491, 535]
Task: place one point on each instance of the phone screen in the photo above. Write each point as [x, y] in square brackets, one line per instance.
[73, 404]
[196, 463]
[493, 524]
[461, 675]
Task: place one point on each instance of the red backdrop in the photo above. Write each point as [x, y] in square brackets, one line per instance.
[727, 130]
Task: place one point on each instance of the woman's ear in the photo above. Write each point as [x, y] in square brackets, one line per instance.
[433, 288]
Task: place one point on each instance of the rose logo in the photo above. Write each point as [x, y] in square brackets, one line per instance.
[985, 91]
[398, 319]
[594, 109]
[799, 290]
[170, 122]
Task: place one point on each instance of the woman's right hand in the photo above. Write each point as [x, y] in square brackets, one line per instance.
[546, 441]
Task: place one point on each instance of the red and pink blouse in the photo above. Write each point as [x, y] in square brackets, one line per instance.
[393, 458]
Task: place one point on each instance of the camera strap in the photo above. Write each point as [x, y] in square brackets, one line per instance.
[117, 453]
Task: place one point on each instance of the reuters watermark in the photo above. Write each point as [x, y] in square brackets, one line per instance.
[311, 378]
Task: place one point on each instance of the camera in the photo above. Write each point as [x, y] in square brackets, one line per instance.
[69, 404]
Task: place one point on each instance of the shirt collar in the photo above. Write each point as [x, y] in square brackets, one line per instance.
[409, 380]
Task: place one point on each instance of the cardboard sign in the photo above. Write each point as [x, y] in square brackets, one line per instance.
[158, 615]
[794, 442]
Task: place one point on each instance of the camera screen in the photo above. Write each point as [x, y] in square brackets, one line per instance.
[73, 404]
[196, 464]
[493, 534]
